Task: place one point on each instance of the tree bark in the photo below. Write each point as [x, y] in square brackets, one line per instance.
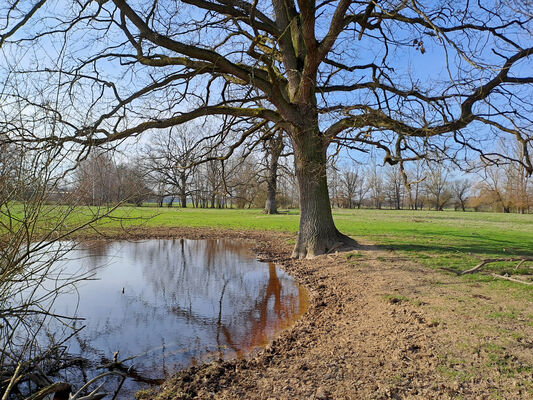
[271, 206]
[183, 191]
[275, 148]
[317, 233]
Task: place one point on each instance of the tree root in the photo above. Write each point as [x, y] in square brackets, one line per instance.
[339, 242]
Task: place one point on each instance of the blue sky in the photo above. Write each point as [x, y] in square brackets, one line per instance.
[411, 66]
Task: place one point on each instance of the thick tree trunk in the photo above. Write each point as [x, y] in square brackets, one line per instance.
[271, 206]
[317, 233]
[274, 149]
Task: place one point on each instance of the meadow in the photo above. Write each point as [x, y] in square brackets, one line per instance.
[449, 239]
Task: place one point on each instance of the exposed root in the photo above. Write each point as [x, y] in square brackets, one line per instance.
[313, 248]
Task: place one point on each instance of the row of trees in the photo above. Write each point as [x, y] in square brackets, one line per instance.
[435, 187]
[166, 172]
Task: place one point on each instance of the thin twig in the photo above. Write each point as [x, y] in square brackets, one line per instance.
[508, 278]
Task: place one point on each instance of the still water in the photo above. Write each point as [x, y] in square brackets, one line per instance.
[172, 303]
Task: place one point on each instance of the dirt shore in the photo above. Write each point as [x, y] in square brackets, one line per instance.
[379, 327]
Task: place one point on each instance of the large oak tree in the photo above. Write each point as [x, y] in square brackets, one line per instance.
[413, 78]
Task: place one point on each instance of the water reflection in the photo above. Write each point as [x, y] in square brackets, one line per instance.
[171, 302]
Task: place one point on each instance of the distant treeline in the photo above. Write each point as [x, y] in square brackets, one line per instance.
[156, 177]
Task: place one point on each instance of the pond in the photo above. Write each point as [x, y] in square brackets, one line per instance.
[173, 303]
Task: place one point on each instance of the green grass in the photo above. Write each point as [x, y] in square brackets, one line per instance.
[448, 239]
[438, 239]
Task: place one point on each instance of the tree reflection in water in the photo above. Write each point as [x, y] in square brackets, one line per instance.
[170, 302]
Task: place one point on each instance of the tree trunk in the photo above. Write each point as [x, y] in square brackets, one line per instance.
[183, 191]
[274, 148]
[317, 233]
[271, 206]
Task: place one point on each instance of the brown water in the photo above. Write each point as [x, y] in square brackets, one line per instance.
[171, 303]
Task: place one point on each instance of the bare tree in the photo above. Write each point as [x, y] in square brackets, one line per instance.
[460, 189]
[149, 66]
[395, 187]
[375, 186]
[413, 181]
[169, 162]
[495, 189]
[99, 180]
[96, 179]
[132, 187]
[243, 181]
[437, 186]
[362, 189]
[351, 182]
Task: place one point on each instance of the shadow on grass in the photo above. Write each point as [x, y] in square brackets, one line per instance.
[446, 242]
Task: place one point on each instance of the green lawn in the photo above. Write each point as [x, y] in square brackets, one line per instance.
[438, 239]
[447, 236]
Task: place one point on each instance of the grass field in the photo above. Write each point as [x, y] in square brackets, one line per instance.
[445, 239]
[448, 239]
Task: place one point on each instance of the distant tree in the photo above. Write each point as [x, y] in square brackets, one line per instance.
[414, 181]
[394, 186]
[96, 179]
[460, 189]
[437, 186]
[375, 186]
[362, 189]
[243, 180]
[132, 186]
[169, 162]
[351, 182]
[273, 149]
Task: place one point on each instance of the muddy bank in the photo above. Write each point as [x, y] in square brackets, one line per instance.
[379, 327]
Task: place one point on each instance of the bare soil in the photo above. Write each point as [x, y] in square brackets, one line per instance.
[379, 327]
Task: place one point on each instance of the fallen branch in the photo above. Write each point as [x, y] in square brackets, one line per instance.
[94, 394]
[12, 382]
[53, 388]
[519, 264]
[508, 278]
[520, 260]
